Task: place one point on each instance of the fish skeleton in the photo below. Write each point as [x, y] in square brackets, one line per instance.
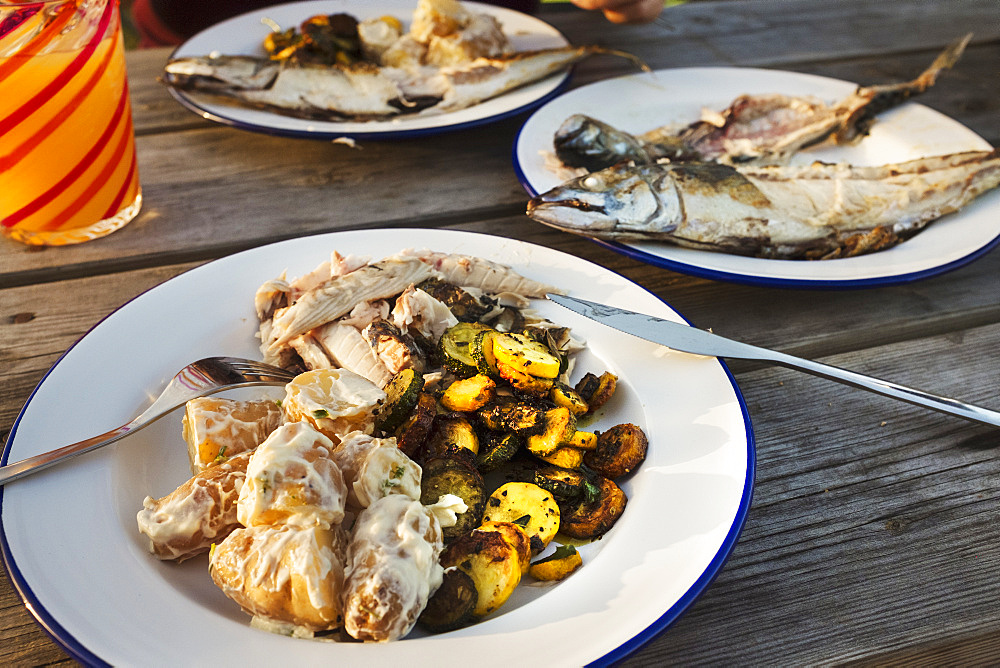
[817, 211]
[364, 91]
[759, 129]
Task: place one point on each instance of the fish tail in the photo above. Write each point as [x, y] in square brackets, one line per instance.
[876, 99]
[634, 59]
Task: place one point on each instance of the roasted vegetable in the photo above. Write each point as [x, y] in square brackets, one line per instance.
[557, 565]
[496, 450]
[563, 395]
[583, 519]
[528, 506]
[456, 348]
[491, 562]
[401, 395]
[452, 605]
[482, 353]
[618, 452]
[514, 535]
[413, 433]
[455, 473]
[469, 394]
[584, 440]
[523, 382]
[596, 390]
[565, 484]
[564, 456]
[451, 431]
[559, 427]
[508, 414]
[527, 355]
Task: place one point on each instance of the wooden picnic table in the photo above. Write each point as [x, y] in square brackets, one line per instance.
[873, 533]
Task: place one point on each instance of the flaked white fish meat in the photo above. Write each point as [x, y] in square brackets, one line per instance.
[350, 350]
[479, 273]
[341, 294]
[759, 129]
[816, 211]
[364, 91]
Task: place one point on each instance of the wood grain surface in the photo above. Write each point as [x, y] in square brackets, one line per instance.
[872, 538]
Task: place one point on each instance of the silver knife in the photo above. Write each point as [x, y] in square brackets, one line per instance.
[688, 339]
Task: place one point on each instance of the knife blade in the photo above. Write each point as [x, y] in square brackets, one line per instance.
[688, 339]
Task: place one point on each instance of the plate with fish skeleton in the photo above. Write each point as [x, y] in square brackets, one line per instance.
[244, 36]
[70, 540]
[677, 97]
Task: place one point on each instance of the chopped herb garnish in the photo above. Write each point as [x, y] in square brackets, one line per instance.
[321, 413]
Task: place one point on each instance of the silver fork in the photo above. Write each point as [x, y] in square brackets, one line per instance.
[198, 379]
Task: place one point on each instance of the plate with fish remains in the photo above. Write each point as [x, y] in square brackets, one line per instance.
[244, 35]
[641, 102]
[72, 549]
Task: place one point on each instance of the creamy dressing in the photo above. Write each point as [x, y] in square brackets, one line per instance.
[392, 568]
[214, 427]
[283, 573]
[291, 479]
[335, 401]
[188, 520]
[376, 467]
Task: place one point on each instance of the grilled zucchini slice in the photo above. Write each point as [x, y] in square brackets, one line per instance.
[596, 390]
[618, 451]
[589, 519]
[562, 394]
[401, 395]
[523, 382]
[565, 456]
[469, 394]
[491, 562]
[455, 473]
[496, 450]
[565, 484]
[452, 605]
[482, 353]
[512, 415]
[451, 432]
[560, 425]
[528, 506]
[413, 433]
[557, 565]
[527, 355]
[517, 538]
[455, 347]
[584, 440]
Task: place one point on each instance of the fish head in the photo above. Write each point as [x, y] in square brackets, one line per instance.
[216, 72]
[582, 141]
[620, 201]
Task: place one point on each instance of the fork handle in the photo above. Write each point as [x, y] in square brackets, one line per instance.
[34, 464]
[884, 387]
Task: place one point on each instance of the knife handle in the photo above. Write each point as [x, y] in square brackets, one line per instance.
[894, 390]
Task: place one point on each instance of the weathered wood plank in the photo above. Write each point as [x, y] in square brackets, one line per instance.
[873, 527]
[762, 33]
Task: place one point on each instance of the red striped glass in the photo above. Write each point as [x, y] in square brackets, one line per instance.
[67, 148]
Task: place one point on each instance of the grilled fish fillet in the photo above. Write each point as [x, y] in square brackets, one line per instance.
[816, 211]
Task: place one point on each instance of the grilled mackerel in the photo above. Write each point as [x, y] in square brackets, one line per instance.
[817, 211]
[759, 129]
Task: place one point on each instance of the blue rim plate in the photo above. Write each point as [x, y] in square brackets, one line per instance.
[641, 102]
[69, 537]
[244, 35]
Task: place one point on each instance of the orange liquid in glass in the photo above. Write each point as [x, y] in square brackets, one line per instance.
[67, 147]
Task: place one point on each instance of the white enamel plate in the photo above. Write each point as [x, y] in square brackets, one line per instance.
[244, 35]
[641, 102]
[73, 551]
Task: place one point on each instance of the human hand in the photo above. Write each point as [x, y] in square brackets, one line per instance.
[625, 11]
